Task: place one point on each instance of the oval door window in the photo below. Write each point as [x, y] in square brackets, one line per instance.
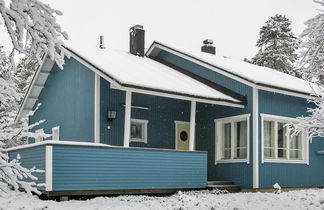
[184, 136]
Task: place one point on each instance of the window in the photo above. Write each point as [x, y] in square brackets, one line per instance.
[38, 138]
[138, 130]
[232, 139]
[278, 145]
[56, 133]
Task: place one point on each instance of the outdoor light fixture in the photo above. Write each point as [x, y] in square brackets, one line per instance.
[111, 114]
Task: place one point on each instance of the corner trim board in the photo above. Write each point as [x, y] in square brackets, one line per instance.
[255, 138]
[97, 109]
[49, 168]
[128, 107]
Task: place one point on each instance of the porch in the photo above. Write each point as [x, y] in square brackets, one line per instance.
[76, 168]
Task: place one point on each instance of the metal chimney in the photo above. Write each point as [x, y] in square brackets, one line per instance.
[137, 40]
[102, 42]
[208, 47]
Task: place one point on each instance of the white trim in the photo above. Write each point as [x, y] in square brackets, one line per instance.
[56, 128]
[192, 127]
[127, 122]
[138, 107]
[181, 122]
[48, 167]
[218, 134]
[144, 122]
[223, 72]
[255, 138]
[188, 98]
[305, 142]
[278, 117]
[97, 109]
[235, 118]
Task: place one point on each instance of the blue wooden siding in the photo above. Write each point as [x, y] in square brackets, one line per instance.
[91, 168]
[31, 157]
[68, 101]
[161, 115]
[290, 175]
[240, 173]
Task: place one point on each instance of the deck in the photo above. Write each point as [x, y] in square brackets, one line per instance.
[75, 168]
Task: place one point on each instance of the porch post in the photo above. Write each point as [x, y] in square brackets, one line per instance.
[192, 126]
[128, 103]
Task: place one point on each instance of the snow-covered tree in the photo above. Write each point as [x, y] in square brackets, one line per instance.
[32, 29]
[8, 94]
[33, 22]
[23, 75]
[12, 174]
[277, 45]
[312, 64]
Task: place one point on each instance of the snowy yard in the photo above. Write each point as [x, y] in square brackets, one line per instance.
[210, 200]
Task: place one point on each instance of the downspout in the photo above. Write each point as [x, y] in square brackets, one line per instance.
[255, 138]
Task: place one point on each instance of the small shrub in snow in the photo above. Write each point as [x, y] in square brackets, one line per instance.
[278, 188]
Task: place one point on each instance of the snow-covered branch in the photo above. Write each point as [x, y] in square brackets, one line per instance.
[312, 64]
[11, 172]
[33, 22]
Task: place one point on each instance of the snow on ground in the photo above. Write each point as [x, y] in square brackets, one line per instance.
[207, 200]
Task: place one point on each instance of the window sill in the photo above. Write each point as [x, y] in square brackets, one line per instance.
[232, 161]
[285, 161]
[138, 141]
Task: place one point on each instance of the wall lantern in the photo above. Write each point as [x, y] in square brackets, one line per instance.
[111, 114]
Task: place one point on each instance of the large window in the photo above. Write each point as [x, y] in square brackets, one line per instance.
[278, 144]
[232, 139]
[138, 130]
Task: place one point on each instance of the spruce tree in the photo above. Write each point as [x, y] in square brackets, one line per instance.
[24, 73]
[277, 45]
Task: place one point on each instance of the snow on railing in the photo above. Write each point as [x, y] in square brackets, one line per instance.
[90, 144]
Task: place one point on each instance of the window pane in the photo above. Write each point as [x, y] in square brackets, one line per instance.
[295, 142]
[296, 147]
[268, 136]
[268, 133]
[269, 152]
[226, 128]
[227, 154]
[282, 140]
[282, 153]
[295, 154]
[240, 153]
[137, 131]
[240, 141]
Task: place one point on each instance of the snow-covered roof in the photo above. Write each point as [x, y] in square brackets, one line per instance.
[261, 76]
[128, 72]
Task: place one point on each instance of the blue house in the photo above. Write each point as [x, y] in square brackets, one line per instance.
[167, 119]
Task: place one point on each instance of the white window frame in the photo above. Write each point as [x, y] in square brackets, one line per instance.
[39, 139]
[305, 143]
[218, 142]
[141, 140]
[56, 128]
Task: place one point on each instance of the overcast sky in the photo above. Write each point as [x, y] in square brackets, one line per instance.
[232, 24]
